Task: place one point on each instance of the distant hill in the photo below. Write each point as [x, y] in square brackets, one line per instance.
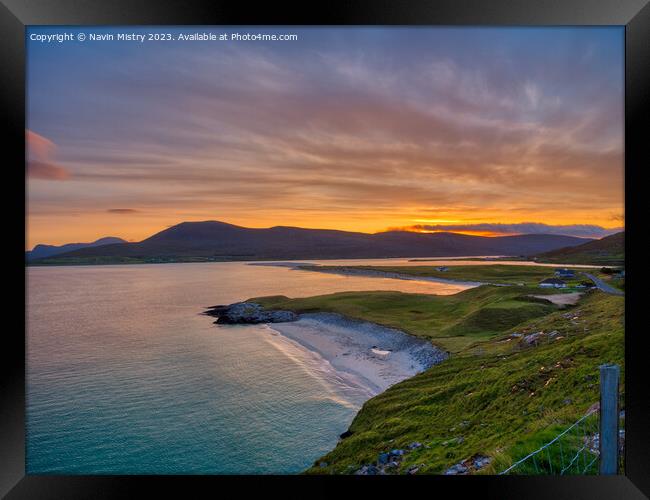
[42, 251]
[213, 240]
[609, 250]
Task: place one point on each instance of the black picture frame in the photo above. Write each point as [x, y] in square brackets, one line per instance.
[15, 15]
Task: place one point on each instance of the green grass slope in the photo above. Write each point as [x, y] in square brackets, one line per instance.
[502, 274]
[498, 398]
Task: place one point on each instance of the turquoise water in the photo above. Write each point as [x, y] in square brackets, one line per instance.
[125, 376]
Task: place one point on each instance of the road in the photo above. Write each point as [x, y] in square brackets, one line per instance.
[603, 286]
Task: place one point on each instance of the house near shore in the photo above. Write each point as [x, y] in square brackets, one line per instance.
[552, 283]
[565, 273]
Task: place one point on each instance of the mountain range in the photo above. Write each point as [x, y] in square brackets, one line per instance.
[42, 251]
[213, 240]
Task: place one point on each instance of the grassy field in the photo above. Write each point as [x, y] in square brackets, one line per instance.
[517, 258]
[452, 322]
[116, 260]
[496, 398]
[85, 261]
[617, 259]
[612, 279]
[493, 273]
[617, 283]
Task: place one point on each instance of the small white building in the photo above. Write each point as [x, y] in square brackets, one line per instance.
[552, 283]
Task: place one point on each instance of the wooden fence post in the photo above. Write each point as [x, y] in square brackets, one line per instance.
[608, 441]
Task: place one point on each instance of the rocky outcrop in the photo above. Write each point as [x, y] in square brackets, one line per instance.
[469, 466]
[429, 355]
[388, 462]
[535, 339]
[248, 313]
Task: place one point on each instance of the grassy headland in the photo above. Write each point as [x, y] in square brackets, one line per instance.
[452, 322]
[500, 401]
[119, 260]
[497, 396]
[503, 274]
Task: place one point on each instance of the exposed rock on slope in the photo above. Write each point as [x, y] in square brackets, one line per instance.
[248, 313]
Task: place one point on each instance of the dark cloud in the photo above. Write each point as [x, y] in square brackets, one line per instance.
[122, 210]
[582, 230]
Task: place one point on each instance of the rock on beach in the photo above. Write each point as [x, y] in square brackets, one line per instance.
[248, 313]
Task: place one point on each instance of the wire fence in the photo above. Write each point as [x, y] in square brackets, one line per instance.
[593, 444]
[573, 451]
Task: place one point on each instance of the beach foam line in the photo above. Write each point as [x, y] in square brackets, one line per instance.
[348, 345]
[344, 387]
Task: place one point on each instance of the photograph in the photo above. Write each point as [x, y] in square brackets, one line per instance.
[325, 250]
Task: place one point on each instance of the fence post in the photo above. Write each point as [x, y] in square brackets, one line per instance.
[608, 441]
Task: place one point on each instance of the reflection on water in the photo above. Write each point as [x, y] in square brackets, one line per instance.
[125, 375]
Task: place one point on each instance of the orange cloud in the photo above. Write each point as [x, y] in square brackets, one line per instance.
[40, 155]
[500, 229]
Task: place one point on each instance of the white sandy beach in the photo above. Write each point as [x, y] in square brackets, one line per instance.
[348, 346]
[561, 299]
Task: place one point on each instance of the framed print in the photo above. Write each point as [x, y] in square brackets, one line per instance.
[267, 247]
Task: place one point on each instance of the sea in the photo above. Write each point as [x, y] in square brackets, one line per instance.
[125, 375]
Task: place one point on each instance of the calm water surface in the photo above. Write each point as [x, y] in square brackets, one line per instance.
[126, 376]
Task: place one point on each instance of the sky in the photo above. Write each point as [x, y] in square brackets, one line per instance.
[477, 130]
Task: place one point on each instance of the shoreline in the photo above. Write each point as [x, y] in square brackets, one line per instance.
[347, 345]
[372, 273]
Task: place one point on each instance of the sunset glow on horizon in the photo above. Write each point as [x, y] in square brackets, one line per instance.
[484, 131]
